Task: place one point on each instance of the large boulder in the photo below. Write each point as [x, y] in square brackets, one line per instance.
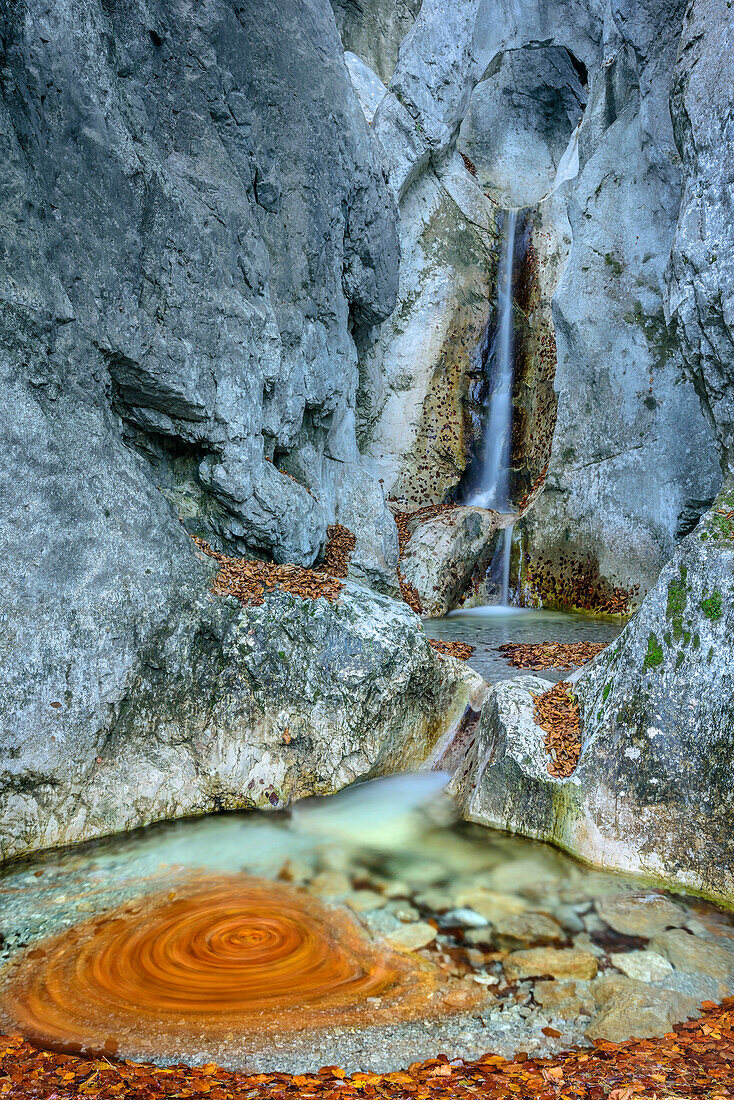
[653, 791]
[231, 708]
[445, 554]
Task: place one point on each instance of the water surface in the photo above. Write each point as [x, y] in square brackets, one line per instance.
[382, 950]
[487, 628]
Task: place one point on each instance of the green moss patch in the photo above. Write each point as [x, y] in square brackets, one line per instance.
[712, 606]
[677, 600]
[654, 655]
[718, 526]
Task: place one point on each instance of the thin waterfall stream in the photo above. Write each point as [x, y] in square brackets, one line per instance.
[494, 491]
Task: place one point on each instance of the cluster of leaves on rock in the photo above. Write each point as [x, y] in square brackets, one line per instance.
[461, 650]
[573, 583]
[248, 580]
[543, 655]
[534, 398]
[696, 1059]
[557, 712]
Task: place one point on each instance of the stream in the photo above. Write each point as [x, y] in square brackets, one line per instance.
[282, 942]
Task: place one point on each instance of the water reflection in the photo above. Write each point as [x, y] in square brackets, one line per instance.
[488, 627]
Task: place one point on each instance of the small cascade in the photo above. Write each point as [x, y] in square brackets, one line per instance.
[495, 482]
[494, 487]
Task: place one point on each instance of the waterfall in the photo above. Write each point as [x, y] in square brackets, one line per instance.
[494, 488]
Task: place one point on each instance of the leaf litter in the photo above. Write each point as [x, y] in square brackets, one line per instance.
[557, 712]
[248, 580]
[544, 655]
[695, 1059]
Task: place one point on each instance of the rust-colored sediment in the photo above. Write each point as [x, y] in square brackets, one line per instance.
[222, 958]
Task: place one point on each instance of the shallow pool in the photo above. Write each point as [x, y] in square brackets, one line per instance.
[368, 939]
[489, 627]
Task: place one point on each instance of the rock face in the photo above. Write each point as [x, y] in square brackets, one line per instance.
[206, 285]
[701, 272]
[620, 484]
[658, 715]
[519, 123]
[509, 85]
[652, 792]
[234, 708]
[374, 29]
[195, 227]
[445, 553]
[419, 367]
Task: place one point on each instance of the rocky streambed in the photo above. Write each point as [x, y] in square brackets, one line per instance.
[502, 944]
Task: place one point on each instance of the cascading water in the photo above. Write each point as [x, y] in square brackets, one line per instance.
[494, 490]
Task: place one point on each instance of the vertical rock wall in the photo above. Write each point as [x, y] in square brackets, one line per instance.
[701, 271]
[634, 460]
[194, 227]
[215, 227]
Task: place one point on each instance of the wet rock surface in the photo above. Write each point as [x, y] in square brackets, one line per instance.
[445, 553]
[651, 792]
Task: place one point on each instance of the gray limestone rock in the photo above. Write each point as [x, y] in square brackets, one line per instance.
[417, 367]
[195, 227]
[520, 121]
[504, 782]
[230, 708]
[633, 463]
[200, 221]
[366, 83]
[443, 554]
[374, 29]
[658, 716]
[701, 272]
[634, 460]
[652, 792]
